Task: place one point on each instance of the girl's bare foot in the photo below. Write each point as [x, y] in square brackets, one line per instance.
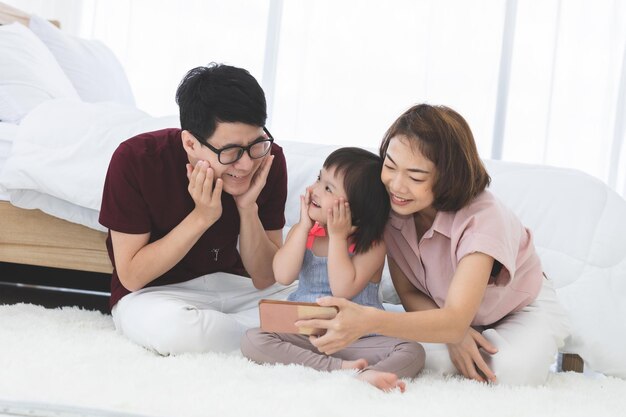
[385, 381]
[357, 364]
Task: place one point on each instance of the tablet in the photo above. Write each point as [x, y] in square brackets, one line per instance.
[280, 316]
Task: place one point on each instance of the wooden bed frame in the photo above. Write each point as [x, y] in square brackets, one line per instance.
[10, 14]
[34, 238]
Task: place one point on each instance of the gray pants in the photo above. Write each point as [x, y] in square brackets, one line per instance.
[382, 353]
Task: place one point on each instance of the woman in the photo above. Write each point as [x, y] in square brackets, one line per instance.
[463, 265]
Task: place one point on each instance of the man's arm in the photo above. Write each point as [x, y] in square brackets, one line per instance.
[138, 262]
[257, 246]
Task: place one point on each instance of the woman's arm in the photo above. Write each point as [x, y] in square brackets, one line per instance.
[412, 298]
[464, 355]
[448, 324]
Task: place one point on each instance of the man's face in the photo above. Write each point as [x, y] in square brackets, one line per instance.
[238, 175]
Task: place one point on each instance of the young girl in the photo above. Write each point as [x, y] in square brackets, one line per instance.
[336, 249]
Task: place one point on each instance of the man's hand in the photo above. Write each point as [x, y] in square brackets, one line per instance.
[248, 199]
[339, 220]
[467, 358]
[207, 198]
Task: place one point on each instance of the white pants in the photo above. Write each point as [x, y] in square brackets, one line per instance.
[527, 341]
[209, 313]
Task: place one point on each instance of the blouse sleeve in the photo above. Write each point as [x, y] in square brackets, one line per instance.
[491, 229]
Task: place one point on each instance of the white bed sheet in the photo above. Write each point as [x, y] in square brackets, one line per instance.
[8, 132]
[61, 153]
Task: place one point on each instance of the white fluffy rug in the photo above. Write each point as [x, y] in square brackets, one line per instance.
[73, 357]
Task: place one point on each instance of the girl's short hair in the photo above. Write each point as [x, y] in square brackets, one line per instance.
[368, 198]
[443, 136]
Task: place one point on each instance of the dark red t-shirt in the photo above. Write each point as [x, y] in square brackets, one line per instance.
[146, 192]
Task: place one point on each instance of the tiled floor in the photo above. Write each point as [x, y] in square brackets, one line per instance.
[52, 287]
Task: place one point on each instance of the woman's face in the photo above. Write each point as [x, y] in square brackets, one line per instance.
[408, 176]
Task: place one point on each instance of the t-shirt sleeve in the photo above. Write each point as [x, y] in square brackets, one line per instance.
[494, 232]
[123, 207]
[274, 195]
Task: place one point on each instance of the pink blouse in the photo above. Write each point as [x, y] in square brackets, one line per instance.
[485, 225]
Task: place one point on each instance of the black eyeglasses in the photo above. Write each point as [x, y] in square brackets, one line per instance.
[233, 153]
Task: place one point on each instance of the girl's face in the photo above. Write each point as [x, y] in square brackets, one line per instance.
[324, 192]
[408, 176]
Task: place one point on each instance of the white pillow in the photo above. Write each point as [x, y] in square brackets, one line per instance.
[90, 65]
[29, 74]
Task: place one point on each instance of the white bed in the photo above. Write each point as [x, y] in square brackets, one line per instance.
[8, 131]
[40, 63]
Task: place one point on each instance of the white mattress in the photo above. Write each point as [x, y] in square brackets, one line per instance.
[8, 131]
[61, 153]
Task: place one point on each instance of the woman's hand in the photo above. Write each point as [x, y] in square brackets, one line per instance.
[339, 220]
[467, 358]
[206, 197]
[348, 325]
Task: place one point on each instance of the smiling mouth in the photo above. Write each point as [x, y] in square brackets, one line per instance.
[399, 199]
[236, 176]
[315, 204]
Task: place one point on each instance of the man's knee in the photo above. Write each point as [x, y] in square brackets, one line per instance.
[176, 329]
[168, 331]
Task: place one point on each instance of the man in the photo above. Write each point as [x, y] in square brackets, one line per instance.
[177, 203]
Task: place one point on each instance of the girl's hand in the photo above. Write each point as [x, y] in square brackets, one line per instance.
[467, 358]
[339, 220]
[305, 202]
[347, 326]
[206, 196]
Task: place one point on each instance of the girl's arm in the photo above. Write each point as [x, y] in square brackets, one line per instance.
[347, 275]
[288, 259]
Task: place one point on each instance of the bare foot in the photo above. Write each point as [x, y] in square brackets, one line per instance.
[357, 364]
[385, 381]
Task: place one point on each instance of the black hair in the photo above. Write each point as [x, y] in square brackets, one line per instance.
[219, 93]
[368, 198]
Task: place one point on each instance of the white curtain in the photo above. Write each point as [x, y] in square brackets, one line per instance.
[539, 81]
